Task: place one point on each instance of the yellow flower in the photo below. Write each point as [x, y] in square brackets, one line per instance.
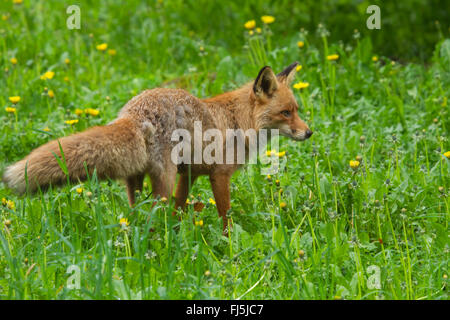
[354, 164]
[250, 32]
[10, 204]
[5, 17]
[163, 199]
[211, 200]
[102, 47]
[17, 1]
[374, 58]
[48, 75]
[281, 154]
[71, 121]
[333, 57]
[299, 67]
[51, 94]
[300, 44]
[258, 30]
[283, 205]
[13, 60]
[124, 222]
[250, 24]
[188, 201]
[92, 112]
[67, 61]
[66, 79]
[112, 52]
[78, 112]
[301, 85]
[14, 99]
[199, 223]
[10, 109]
[267, 19]
[447, 154]
[47, 129]
[4, 201]
[79, 190]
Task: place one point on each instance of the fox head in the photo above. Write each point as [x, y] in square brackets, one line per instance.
[275, 104]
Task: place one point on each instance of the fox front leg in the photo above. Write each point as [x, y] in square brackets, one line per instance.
[134, 183]
[220, 184]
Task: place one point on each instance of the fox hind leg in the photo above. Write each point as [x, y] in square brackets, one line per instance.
[134, 183]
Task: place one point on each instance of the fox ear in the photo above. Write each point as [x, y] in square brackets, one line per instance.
[287, 75]
[266, 82]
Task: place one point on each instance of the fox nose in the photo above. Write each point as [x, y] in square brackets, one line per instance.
[308, 133]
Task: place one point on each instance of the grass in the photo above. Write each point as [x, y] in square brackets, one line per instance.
[319, 229]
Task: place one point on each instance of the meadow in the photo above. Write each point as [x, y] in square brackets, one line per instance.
[359, 211]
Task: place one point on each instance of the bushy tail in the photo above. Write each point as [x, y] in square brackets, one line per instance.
[116, 150]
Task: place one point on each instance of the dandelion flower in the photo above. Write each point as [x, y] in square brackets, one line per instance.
[66, 79]
[258, 30]
[46, 129]
[67, 61]
[13, 60]
[283, 204]
[71, 121]
[10, 204]
[10, 109]
[48, 75]
[163, 199]
[51, 94]
[112, 52]
[102, 47]
[14, 99]
[124, 222]
[267, 19]
[333, 57]
[354, 164]
[447, 154]
[199, 223]
[374, 58]
[301, 85]
[188, 201]
[5, 17]
[78, 112]
[281, 154]
[92, 112]
[17, 1]
[300, 44]
[4, 201]
[250, 24]
[79, 190]
[211, 200]
[298, 68]
[250, 32]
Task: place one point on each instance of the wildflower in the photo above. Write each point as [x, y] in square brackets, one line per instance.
[283, 204]
[7, 223]
[207, 273]
[300, 44]
[112, 52]
[17, 1]
[277, 182]
[124, 222]
[163, 199]
[51, 94]
[354, 164]
[92, 112]
[14, 99]
[102, 47]
[281, 154]
[301, 85]
[5, 17]
[48, 75]
[358, 158]
[66, 79]
[441, 189]
[267, 19]
[78, 112]
[188, 201]
[270, 153]
[447, 154]
[269, 177]
[4, 201]
[13, 60]
[333, 57]
[301, 253]
[10, 109]
[67, 61]
[79, 190]
[211, 200]
[250, 32]
[298, 68]
[374, 58]
[10, 204]
[89, 194]
[46, 129]
[71, 121]
[258, 30]
[250, 24]
[199, 223]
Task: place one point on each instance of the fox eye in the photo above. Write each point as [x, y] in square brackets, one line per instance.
[286, 113]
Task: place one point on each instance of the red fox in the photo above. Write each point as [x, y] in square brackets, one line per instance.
[139, 141]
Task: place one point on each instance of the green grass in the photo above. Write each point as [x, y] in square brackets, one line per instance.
[317, 230]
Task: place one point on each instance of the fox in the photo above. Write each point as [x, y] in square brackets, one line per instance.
[139, 143]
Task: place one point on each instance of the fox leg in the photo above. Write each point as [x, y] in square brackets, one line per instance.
[184, 184]
[134, 183]
[220, 184]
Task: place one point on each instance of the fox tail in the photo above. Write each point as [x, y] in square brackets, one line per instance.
[117, 150]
